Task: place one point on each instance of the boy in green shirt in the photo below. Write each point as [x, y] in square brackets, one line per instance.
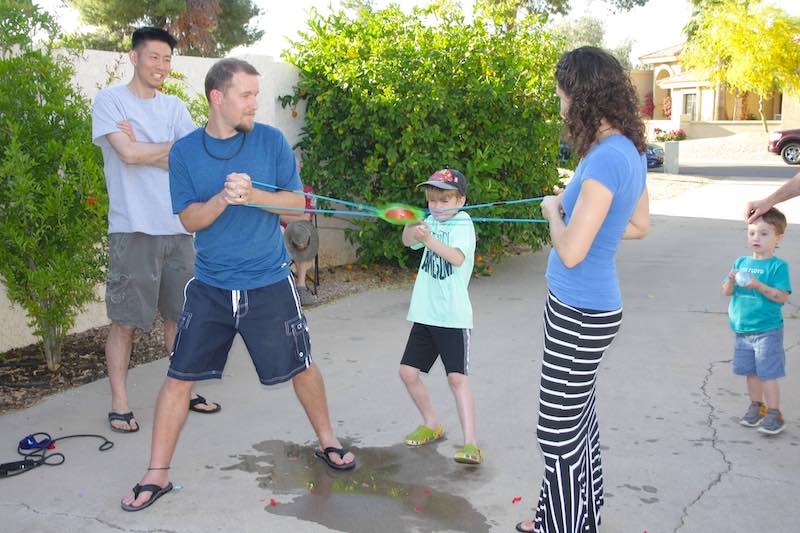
[759, 286]
[440, 309]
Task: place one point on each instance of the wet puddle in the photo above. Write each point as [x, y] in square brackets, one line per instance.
[392, 489]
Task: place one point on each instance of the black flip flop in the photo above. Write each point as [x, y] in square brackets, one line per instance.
[196, 401]
[155, 493]
[519, 528]
[122, 417]
[341, 452]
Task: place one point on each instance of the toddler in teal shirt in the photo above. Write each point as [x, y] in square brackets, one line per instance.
[759, 286]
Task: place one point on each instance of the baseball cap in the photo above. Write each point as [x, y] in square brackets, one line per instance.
[447, 178]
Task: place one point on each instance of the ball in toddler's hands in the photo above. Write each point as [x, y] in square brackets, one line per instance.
[743, 279]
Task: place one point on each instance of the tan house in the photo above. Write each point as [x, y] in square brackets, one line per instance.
[682, 99]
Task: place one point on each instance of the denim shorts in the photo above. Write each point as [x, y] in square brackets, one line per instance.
[760, 354]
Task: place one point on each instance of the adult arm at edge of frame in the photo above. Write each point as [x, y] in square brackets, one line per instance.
[754, 209]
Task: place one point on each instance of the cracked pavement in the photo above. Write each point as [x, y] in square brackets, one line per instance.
[715, 443]
[675, 458]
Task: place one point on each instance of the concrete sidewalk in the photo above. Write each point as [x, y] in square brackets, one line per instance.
[675, 458]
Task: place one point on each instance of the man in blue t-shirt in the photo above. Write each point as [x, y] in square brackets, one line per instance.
[242, 282]
[759, 286]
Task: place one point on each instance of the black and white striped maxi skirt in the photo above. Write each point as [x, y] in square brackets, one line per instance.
[572, 490]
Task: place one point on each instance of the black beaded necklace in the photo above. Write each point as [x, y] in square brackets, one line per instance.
[205, 146]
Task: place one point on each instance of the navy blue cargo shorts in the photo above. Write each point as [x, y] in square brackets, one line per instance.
[269, 319]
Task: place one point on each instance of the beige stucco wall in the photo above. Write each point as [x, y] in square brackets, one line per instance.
[93, 70]
[642, 81]
[706, 103]
[15, 331]
[747, 108]
[661, 72]
[724, 128]
[790, 111]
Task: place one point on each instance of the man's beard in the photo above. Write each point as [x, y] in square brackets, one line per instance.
[244, 127]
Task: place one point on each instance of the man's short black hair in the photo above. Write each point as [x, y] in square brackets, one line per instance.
[149, 33]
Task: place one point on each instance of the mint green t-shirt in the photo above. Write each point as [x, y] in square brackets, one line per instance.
[440, 296]
[749, 310]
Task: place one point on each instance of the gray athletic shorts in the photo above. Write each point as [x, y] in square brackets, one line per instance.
[145, 273]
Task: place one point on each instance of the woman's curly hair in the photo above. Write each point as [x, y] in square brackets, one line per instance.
[598, 87]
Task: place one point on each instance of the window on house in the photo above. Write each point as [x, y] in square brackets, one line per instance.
[690, 105]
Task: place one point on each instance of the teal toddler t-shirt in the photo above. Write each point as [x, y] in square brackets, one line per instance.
[749, 310]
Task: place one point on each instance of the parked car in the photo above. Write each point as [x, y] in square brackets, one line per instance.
[654, 154]
[564, 152]
[786, 143]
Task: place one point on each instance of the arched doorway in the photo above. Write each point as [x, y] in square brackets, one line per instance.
[659, 95]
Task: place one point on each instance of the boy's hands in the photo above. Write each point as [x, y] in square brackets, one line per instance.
[731, 279]
[771, 293]
[754, 284]
[729, 283]
[422, 232]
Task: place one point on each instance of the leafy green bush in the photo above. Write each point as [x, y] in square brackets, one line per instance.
[176, 85]
[52, 191]
[392, 97]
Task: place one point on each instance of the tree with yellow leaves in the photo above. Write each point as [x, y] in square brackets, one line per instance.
[747, 45]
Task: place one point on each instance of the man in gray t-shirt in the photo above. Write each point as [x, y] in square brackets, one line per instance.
[151, 255]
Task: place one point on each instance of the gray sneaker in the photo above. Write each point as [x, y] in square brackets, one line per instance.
[755, 413]
[307, 298]
[773, 422]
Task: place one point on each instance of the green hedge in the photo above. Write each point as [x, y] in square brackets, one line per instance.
[392, 97]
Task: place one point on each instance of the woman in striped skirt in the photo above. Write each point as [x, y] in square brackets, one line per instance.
[605, 201]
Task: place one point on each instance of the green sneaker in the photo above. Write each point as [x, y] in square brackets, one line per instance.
[469, 455]
[423, 435]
